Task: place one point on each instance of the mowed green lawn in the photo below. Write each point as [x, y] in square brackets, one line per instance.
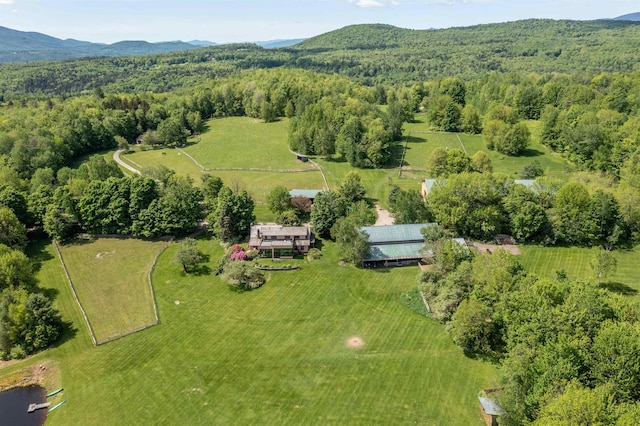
[245, 142]
[545, 261]
[238, 142]
[422, 143]
[277, 355]
[249, 143]
[110, 278]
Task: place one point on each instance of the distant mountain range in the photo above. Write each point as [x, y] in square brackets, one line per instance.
[629, 17]
[21, 46]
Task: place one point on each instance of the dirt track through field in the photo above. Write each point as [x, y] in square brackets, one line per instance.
[490, 248]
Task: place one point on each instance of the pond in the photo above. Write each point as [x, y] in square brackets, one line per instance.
[14, 404]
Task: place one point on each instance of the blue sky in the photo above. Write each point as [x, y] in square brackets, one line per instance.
[224, 21]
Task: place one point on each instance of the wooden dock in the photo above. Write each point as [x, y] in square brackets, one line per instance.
[34, 407]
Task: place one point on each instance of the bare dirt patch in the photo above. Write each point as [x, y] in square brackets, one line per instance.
[384, 216]
[43, 374]
[490, 248]
[354, 342]
[104, 254]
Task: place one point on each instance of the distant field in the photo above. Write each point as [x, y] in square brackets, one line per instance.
[239, 142]
[245, 142]
[249, 143]
[545, 261]
[110, 277]
[422, 143]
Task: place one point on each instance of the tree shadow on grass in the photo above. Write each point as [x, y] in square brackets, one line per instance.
[488, 358]
[67, 333]
[619, 288]
[415, 139]
[200, 269]
[529, 152]
[38, 254]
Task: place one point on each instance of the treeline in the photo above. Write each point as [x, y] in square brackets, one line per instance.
[354, 128]
[51, 133]
[567, 349]
[28, 321]
[370, 54]
[592, 120]
[481, 206]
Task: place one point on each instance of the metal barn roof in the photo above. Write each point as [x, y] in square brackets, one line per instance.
[402, 251]
[389, 234]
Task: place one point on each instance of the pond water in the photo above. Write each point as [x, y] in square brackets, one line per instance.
[14, 404]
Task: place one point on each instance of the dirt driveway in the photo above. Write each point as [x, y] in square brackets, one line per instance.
[384, 217]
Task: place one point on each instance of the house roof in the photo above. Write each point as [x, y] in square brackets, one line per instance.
[282, 231]
[276, 244]
[490, 406]
[389, 234]
[309, 193]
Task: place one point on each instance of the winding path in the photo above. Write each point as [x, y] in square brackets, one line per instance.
[117, 159]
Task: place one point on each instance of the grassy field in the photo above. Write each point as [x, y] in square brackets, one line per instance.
[249, 143]
[278, 355]
[245, 142]
[422, 143]
[545, 261]
[238, 142]
[110, 278]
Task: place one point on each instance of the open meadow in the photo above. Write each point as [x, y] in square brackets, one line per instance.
[545, 261]
[110, 276]
[326, 344]
[247, 143]
[422, 142]
[256, 151]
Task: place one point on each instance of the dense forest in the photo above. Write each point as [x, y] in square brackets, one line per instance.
[370, 54]
[573, 85]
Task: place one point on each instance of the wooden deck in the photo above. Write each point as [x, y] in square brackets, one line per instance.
[34, 407]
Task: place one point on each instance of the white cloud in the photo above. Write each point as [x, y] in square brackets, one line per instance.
[6, 1]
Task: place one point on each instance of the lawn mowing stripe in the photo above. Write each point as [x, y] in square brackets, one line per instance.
[223, 357]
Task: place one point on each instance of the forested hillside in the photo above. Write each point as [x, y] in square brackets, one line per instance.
[371, 54]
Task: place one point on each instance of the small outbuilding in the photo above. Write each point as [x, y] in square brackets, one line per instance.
[490, 409]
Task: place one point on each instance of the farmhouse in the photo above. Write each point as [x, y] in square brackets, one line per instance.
[280, 241]
[394, 245]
